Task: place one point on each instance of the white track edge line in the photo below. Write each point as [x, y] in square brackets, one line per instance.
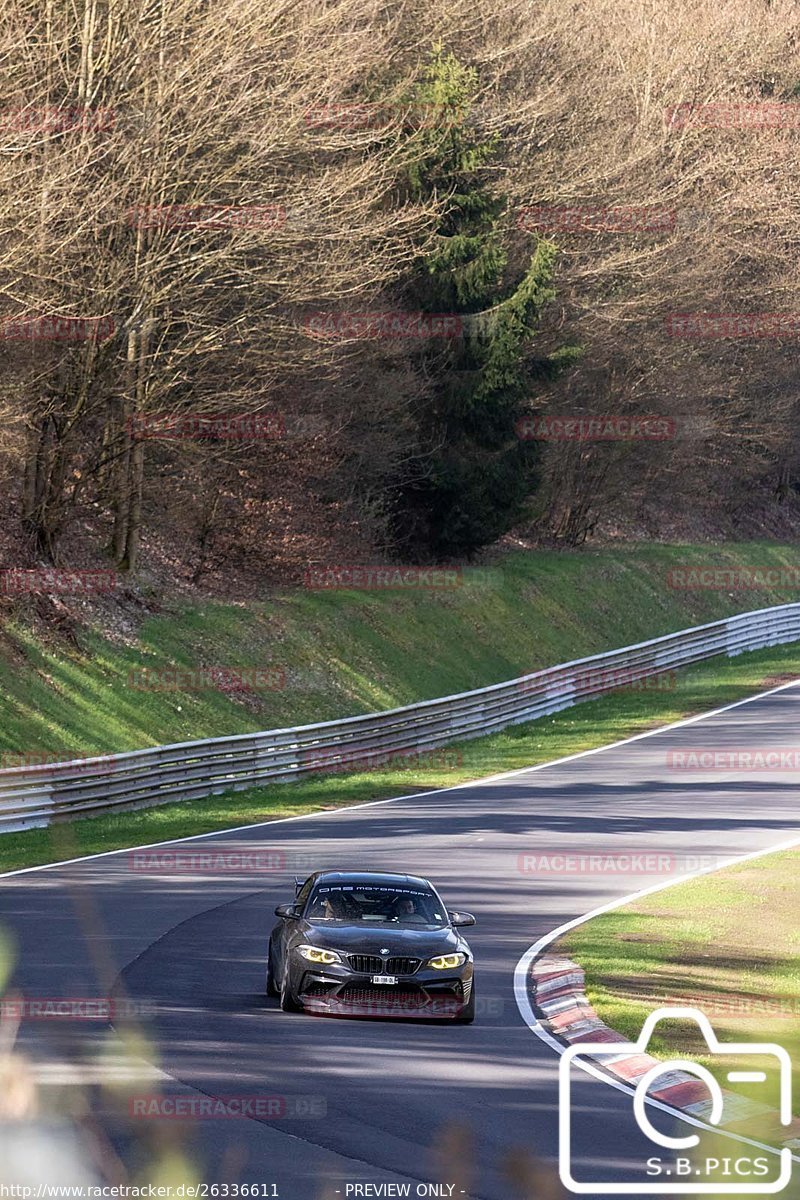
[683, 721]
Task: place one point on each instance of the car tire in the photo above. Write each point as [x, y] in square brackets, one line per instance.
[272, 988]
[288, 1002]
[467, 1014]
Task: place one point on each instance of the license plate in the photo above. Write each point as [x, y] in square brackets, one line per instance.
[384, 979]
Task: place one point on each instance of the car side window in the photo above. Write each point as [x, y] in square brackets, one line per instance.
[305, 891]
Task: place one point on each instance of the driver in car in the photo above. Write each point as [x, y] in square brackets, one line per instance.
[336, 907]
[405, 909]
[330, 908]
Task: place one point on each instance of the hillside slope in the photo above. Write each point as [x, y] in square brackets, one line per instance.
[338, 653]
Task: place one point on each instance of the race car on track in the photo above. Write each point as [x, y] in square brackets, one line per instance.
[368, 943]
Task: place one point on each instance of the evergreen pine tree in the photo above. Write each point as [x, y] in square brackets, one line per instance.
[476, 474]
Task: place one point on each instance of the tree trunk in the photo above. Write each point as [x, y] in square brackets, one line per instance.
[31, 487]
[784, 479]
[130, 558]
[123, 442]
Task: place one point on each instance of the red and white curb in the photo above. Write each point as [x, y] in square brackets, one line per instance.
[559, 1000]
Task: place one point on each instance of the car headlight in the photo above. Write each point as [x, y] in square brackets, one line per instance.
[317, 955]
[446, 962]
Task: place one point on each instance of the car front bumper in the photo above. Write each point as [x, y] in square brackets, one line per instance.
[427, 993]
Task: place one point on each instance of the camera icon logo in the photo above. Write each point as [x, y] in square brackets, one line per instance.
[597, 1052]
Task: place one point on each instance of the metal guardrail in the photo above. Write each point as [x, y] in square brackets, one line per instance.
[38, 795]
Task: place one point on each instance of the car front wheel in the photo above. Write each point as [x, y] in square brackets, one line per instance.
[272, 987]
[288, 1002]
[467, 1014]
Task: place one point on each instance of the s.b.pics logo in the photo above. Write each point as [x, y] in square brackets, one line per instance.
[688, 1090]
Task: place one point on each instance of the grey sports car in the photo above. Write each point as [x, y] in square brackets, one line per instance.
[369, 943]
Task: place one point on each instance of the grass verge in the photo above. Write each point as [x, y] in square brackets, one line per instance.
[726, 944]
[594, 723]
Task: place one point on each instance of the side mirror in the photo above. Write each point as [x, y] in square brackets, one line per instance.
[287, 911]
[461, 918]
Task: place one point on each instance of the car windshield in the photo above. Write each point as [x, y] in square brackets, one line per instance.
[354, 903]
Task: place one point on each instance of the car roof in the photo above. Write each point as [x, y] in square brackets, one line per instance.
[372, 877]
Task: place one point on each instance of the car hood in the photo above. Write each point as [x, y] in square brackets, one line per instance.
[403, 941]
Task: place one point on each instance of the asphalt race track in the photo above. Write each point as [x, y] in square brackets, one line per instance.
[368, 1101]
